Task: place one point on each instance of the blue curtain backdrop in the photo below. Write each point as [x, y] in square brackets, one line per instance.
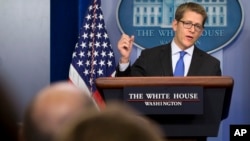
[66, 18]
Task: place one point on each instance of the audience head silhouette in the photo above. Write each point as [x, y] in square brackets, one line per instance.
[115, 123]
[8, 114]
[53, 107]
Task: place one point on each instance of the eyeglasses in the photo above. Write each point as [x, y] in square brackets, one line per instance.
[189, 25]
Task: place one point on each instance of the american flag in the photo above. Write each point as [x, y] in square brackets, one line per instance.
[93, 56]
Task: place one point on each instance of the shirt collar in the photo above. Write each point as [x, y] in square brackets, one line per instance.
[176, 49]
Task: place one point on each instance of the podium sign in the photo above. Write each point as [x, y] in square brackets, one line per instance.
[165, 100]
[200, 113]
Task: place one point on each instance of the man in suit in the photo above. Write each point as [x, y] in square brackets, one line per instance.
[188, 26]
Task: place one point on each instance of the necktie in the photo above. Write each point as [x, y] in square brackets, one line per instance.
[179, 68]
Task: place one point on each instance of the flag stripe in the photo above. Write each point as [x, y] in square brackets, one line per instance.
[76, 79]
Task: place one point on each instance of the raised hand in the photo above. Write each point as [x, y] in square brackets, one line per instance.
[125, 45]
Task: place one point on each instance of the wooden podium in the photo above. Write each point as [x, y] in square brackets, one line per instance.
[176, 122]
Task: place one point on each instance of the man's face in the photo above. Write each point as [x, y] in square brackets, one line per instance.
[186, 37]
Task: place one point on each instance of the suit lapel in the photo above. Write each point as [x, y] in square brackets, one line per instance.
[166, 60]
[195, 62]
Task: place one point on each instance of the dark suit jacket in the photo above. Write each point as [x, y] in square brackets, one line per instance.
[157, 61]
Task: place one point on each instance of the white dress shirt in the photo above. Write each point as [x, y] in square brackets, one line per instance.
[176, 55]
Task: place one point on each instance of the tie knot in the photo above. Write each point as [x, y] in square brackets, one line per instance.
[182, 53]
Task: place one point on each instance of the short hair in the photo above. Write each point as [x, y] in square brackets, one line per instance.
[116, 123]
[32, 130]
[182, 8]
